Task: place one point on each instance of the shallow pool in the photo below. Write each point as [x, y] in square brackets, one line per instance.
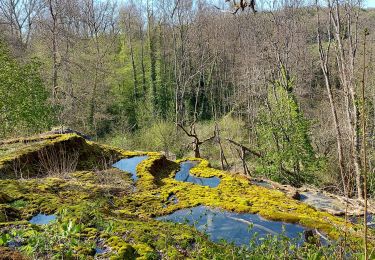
[42, 219]
[184, 175]
[130, 165]
[238, 228]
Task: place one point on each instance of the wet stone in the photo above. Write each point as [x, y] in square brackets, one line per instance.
[263, 184]
[319, 201]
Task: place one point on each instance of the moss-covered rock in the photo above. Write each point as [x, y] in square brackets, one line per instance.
[103, 205]
[52, 154]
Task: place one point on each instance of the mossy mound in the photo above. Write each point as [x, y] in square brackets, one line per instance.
[86, 205]
[234, 193]
[33, 157]
[104, 208]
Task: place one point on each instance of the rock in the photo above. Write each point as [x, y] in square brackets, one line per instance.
[296, 196]
[333, 204]
[169, 155]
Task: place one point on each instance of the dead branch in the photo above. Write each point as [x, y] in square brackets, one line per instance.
[244, 147]
[196, 142]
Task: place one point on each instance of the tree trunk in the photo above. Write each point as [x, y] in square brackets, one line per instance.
[345, 63]
[152, 53]
[364, 151]
[197, 153]
[135, 80]
[53, 14]
[143, 64]
[324, 66]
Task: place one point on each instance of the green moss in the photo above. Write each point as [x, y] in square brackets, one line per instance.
[235, 193]
[18, 204]
[120, 216]
[27, 160]
[127, 252]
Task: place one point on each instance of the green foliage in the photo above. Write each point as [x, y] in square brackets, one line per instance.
[282, 247]
[160, 136]
[58, 240]
[5, 239]
[24, 104]
[283, 134]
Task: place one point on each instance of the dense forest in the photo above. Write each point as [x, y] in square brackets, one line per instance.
[281, 90]
[283, 82]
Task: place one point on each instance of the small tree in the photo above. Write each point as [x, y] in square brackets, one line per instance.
[283, 135]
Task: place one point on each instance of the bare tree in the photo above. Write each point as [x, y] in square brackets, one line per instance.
[99, 19]
[241, 5]
[346, 49]
[128, 20]
[324, 56]
[242, 154]
[54, 11]
[364, 143]
[223, 159]
[20, 16]
[197, 142]
[152, 54]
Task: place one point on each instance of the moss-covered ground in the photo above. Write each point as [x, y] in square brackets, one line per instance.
[99, 207]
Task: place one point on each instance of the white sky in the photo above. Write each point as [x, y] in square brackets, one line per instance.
[370, 3]
[367, 3]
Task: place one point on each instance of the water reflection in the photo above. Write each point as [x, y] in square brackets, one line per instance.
[184, 175]
[130, 165]
[238, 228]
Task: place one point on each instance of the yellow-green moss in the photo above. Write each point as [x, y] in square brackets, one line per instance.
[234, 193]
[203, 169]
[84, 197]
